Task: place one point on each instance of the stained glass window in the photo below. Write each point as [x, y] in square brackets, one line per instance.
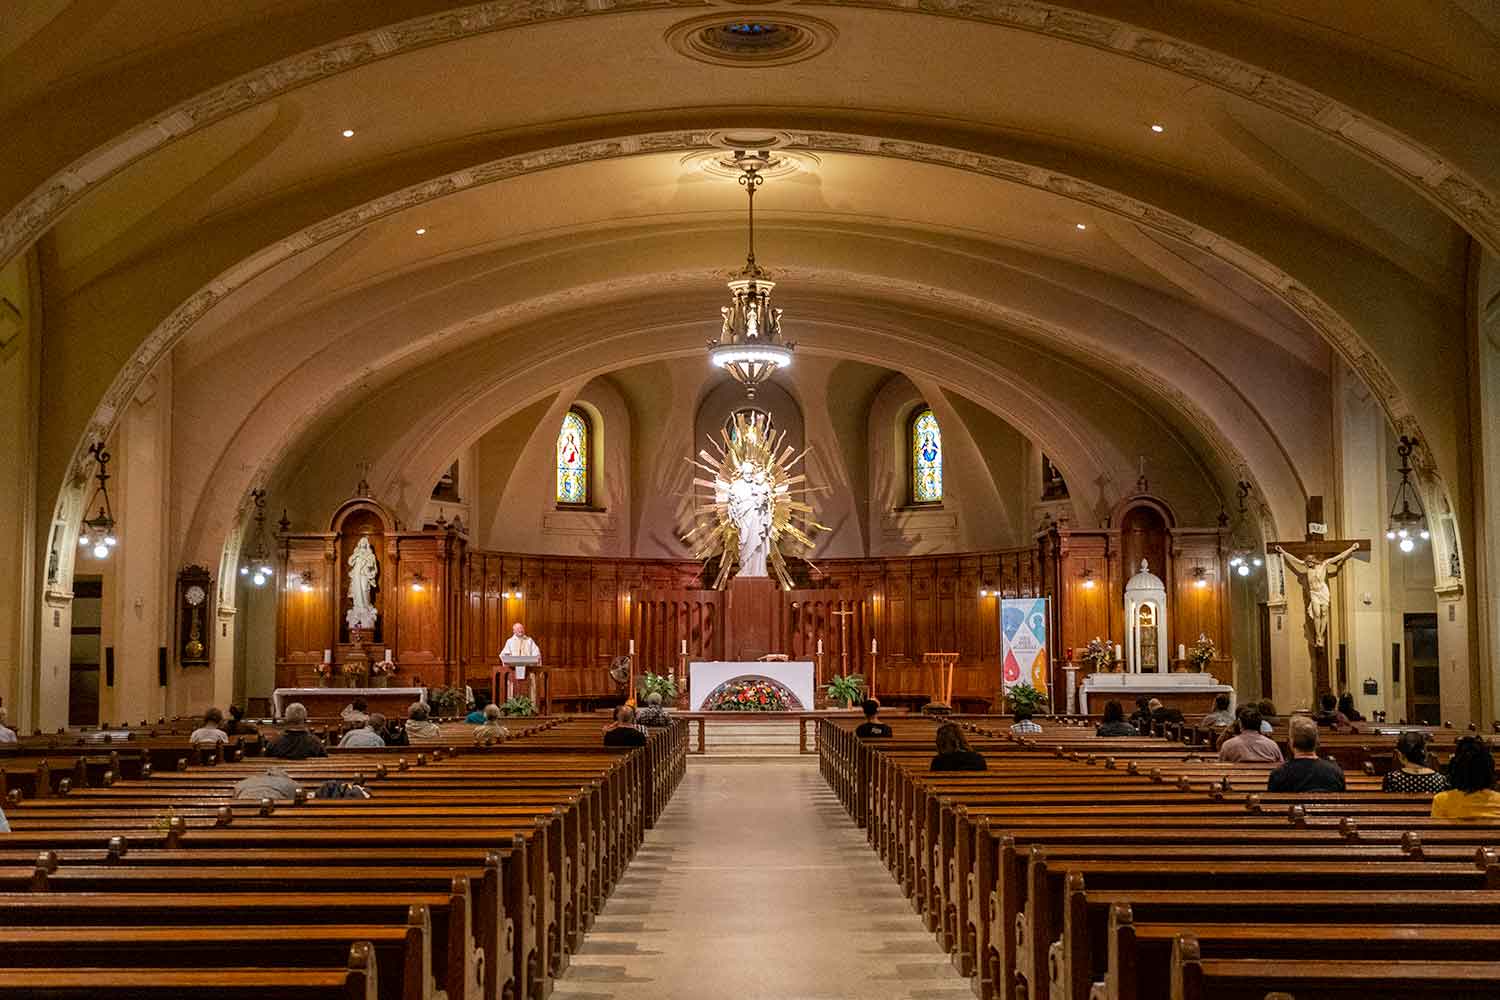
[573, 459]
[926, 458]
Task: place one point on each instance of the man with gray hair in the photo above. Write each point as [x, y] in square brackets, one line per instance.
[367, 735]
[296, 741]
[1306, 771]
[653, 714]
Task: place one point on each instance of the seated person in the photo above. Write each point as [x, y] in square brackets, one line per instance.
[1249, 745]
[1306, 771]
[1347, 709]
[1413, 775]
[210, 732]
[1268, 712]
[356, 712]
[296, 741]
[476, 717]
[366, 736]
[7, 735]
[274, 784]
[623, 732]
[419, 727]
[4, 826]
[1022, 724]
[653, 714]
[1220, 716]
[492, 731]
[953, 753]
[237, 726]
[395, 733]
[1162, 713]
[1471, 772]
[872, 727]
[1329, 715]
[1114, 723]
[1141, 717]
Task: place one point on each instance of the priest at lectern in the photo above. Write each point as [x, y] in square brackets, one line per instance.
[520, 644]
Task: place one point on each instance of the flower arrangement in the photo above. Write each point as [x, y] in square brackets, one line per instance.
[322, 671]
[382, 668]
[748, 695]
[1098, 654]
[1201, 652]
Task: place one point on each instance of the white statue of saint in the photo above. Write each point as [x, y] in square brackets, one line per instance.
[749, 500]
[1315, 580]
[363, 572]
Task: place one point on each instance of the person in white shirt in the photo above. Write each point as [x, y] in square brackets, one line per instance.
[519, 643]
[367, 735]
[6, 735]
[210, 732]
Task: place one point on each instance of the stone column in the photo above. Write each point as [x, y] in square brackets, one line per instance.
[1361, 598]
[1482, 565]
[20, 535]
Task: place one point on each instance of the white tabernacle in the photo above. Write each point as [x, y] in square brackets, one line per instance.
[1121, 686]
[795, 675]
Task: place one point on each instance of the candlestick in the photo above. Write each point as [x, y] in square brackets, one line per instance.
[874, 646]
[632, 647]
[820, 647]
[684, 647]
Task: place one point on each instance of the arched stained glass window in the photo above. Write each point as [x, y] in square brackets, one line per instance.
[573, 459]
[926, 457]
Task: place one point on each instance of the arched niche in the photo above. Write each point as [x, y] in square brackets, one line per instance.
[728, 398]
[356, 518]
[1145, 523]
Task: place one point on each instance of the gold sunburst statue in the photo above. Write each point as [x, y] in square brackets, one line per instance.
[754, 493]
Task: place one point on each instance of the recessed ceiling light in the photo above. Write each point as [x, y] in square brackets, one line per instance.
[422, 231]
[348, 133]
[1158, 127]
[1079, 226]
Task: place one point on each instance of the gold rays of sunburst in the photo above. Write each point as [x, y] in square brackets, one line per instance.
[792, 522]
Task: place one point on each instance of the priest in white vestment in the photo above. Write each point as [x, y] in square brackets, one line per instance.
[519, 643]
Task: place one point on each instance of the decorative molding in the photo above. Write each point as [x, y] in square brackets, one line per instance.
[580, 522]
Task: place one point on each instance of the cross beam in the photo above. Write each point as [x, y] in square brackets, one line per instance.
[1314, 545]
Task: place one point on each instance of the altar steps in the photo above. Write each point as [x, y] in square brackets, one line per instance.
[730, 738]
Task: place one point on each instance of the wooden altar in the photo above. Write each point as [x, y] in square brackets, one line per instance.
[327, 703]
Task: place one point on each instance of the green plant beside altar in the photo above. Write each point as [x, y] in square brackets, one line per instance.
[520, 705]
[662, 684]
[1202, 652]
[1024, 696]
[846, 688]
[446, 702]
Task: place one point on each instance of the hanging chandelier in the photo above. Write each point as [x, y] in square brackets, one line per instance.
[1408, 519]
[255, 563]
[1244, 543]
[98, 532]
[750, 347]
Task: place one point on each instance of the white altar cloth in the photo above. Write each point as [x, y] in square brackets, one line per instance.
[796, 675]
[1104, 686]
[282, 697]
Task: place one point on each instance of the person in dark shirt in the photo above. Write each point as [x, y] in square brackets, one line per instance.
[872, 727]
[1141, 717]
[1114, 723]
[953, 753]
[296, 742]
[1347, 709]
[236, 724]
[1306, 771]
[1413, 775]
[623, 732]
[1329, 714]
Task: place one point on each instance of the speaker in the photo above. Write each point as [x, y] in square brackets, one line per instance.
[161, 666]
[109, 666]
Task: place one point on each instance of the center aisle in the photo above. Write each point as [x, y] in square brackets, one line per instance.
[756, 885]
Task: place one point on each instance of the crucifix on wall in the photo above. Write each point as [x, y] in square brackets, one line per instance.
[1313, 559]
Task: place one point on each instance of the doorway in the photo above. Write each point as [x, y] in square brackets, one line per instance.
[1423, 706]
[83, 661]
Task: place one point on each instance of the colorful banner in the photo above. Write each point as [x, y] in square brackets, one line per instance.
[1023, 642]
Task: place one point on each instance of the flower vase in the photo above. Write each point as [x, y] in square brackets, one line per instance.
[379, 681]
[322, 681]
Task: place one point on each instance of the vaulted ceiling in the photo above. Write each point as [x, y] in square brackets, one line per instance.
[973, 195]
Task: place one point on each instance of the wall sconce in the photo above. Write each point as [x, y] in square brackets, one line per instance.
[418, 581]
[988, 590]
[1200, 577]
[513, 592]
[302, 581]
[1088, 578]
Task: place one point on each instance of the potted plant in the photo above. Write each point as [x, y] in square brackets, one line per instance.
[847, 688]
[1024, 696]
[445, 702]
[662, 684]
[520, 705]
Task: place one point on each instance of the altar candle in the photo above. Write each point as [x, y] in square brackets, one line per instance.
[1119, 652]
[820, 647]
[874, 646]
[327, 656]
[684, 647]
[632, 647]
[388, 656]
[1181, 651]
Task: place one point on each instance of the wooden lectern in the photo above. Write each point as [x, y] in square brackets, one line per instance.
[524, 669]
[941, 681]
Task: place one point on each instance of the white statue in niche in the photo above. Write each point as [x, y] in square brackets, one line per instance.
[363, 572]
[749, 500]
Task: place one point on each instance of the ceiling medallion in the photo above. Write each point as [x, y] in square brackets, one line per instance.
[750, 347]
[749, 39]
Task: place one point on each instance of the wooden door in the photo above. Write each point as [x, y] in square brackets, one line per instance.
[1422, 702]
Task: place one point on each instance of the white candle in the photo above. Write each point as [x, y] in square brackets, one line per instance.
[327, 656]
[874, 646]
[820, 647]
[632, 647]
[1119, 652]
[388, 656]
[684, 647]
[1181, 651]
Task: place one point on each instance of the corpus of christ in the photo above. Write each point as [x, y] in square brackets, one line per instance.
[891, 502]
